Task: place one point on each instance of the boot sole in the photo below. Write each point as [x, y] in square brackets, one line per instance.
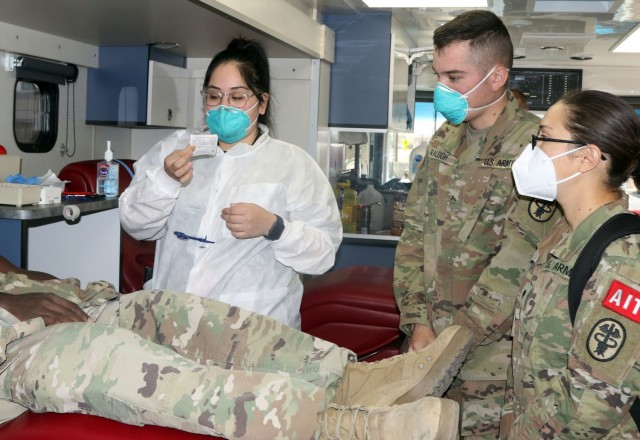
[447, 365]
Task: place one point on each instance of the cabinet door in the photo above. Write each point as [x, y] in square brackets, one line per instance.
[167, 97]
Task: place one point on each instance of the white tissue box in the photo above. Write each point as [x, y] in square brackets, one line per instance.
[50, 194]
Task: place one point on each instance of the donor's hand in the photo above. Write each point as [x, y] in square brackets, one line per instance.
[51, 308]
[422, 336]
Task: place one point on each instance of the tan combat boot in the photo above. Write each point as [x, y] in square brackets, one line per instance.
[429, 418]
[406, 377]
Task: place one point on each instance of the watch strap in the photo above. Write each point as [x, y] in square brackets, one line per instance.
[276, 229]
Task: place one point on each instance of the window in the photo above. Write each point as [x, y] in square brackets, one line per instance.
[35, 101]
[35, 116]
[407, 148]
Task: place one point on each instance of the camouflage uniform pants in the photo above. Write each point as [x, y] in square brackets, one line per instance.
[182, 361]
[480, 390]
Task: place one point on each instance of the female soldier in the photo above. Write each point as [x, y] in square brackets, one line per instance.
[236, 226]
[578, 381]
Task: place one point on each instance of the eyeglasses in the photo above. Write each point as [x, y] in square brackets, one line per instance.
[237, 99]
[183, 236]
[535, 139]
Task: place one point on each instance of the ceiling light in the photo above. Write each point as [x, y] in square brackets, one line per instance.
[425, 3]
[165, 45]
[630, 43]
[584, 6]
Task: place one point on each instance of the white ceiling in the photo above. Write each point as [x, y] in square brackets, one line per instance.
[203, 32]
[577, 32]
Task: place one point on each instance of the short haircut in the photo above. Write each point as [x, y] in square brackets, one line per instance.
[488, 38]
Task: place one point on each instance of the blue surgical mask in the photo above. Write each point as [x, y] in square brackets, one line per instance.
[229, 123]
[453, 105]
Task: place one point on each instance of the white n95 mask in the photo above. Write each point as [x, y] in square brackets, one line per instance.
[535, 175]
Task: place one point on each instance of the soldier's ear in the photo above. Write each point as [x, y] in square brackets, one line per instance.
[591, 157]
[499, 78]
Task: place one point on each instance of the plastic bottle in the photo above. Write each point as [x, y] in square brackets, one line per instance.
[347, 198]
[374, 203]
[108, 170]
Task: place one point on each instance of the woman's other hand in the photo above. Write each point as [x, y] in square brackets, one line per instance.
[247, 220]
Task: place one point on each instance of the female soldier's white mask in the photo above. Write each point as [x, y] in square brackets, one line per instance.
[535, 175]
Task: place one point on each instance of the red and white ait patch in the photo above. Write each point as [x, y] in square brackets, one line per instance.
[623, 300]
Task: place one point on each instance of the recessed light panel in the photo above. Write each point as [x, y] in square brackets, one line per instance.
[425, 3]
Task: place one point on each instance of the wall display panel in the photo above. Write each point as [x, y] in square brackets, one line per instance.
[543, 87]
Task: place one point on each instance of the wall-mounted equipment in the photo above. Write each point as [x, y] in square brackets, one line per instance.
[543, 87]
[36, 69]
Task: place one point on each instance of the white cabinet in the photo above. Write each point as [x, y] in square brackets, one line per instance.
[167, 95]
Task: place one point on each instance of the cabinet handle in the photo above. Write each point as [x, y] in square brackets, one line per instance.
[169, 115]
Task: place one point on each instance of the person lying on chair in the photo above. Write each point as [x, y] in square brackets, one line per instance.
[199, 365]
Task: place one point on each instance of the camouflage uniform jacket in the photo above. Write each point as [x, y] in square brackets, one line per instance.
[578, 382]
[467, 236]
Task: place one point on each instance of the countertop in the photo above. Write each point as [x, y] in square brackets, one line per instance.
[370, 239]
[35, 212]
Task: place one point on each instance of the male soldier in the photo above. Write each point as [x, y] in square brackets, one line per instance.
[468, 237]
[202, 366]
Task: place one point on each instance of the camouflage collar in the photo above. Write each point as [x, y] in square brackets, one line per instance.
[572, 243]
[452, 138]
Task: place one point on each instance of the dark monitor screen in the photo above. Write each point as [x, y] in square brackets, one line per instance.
[543, 87]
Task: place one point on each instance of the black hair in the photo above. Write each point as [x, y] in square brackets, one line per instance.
[253, 64]
[487, 35]
[608, 121]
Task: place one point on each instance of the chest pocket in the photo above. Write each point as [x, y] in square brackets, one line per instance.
[485, 198]
[606, 342]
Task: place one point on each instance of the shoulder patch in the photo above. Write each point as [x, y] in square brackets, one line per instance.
[542, 211]
[606, 339]
[623, 300]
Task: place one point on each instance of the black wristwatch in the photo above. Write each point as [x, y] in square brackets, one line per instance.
[276, 229]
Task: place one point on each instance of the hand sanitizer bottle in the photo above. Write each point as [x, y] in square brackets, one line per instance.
[108, 170]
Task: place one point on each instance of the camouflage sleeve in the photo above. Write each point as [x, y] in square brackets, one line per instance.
[604, 356]
[488, 311]
[408, 273]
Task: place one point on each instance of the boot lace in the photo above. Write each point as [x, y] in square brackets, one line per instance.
[354, 410]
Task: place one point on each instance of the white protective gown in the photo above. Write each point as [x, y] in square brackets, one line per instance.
[256, 274]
